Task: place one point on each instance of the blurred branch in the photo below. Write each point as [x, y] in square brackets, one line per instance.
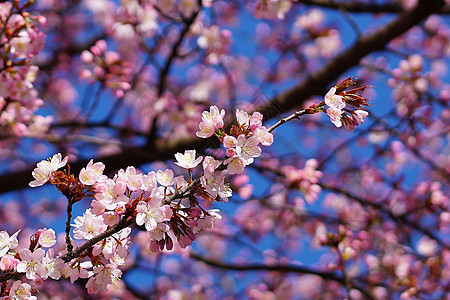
[317, 82]
[363, 7]
[273, 267]
[283, 268]
[399, 219]
[174, 53]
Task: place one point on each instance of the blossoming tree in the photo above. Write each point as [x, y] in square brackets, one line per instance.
[186, 149]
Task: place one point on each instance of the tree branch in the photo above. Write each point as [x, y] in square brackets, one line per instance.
[363, 7]
[283, 268]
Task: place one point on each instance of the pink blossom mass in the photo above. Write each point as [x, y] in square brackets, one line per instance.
[216, 149]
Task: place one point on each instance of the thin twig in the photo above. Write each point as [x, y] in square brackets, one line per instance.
[295, 115]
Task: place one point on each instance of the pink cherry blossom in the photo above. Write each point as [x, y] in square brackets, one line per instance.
[88, 226]
[334, 101]
[92, 173]
[165, 178]
[21, 291]
[335, 116]
[235, 165]
[31, 263]
[188, 160]
[47, 237]
[8, 242]
[8, 262]
[207, 129]
[45, 168]
[149, 214]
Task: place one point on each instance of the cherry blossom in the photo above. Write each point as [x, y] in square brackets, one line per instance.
[32, 263]
[188, 160]
[47, 237]
[334, 101]
[8, 242]
[21, 291]
[88, 226]
[92, 173]
[150, 213]
[45, 168]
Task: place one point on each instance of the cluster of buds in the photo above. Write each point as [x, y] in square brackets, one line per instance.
[338, 102]
[107, 68]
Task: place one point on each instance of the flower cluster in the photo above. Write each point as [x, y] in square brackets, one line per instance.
[107, 68]
[243, 140]
[21, 41]
[274, 9]
[337, 99]
[409, 81]
[165, 206]
[306, 179]
[216, 41]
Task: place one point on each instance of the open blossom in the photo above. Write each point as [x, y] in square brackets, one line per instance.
[208, 221]
[21, 291]
[150, 213]
[242, 117]
[115, 247]
[45, 168]
[207, 129]
[264, 136]
[75, 271]
[210, 121]
[214, 116]
[215, 186]
[333, 100]
[158, 232]
[8, 262]
[8, 242]
[47, 237]
[88, 226]
[165, 178]
[31, 263]
[149, 181]
[247, 148]
[187, 160]
[104, 276]
[92, 173]
[335, 116]
[235, 165]
[52, 265]
[229, 141]
[110, 193]
[210, 164]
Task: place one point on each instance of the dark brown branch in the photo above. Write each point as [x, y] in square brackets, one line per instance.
[400, 219]
[283, 268]
[363, 7]
[123, 223]
[174, 53]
